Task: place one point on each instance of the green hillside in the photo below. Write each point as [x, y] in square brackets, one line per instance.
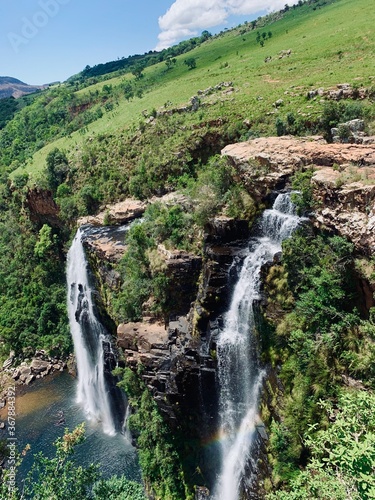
[330, 43]
[155, 124]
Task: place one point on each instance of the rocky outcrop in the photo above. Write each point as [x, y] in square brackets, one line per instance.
[106, 243]
[25, 373]
[42, 207]
[340, 91]
[183, 270]
[352, 131]
[119, 213]
[40, 366]
[344, 179]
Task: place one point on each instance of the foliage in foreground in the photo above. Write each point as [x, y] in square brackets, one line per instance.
[59, 477]
[342, 463]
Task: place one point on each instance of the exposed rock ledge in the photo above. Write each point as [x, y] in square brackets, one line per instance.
[344, 181]
[130, 209]
[120, 213]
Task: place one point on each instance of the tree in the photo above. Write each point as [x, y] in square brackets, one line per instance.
[191, 62]
[170, 62]
[205, 35]
[45, 242]
[59, 478]
[128, 91]
[57, 168]
[137, 71]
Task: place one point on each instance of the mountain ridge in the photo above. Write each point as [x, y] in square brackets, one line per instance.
[12, 87]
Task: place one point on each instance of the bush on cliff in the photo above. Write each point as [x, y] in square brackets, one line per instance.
[320, 341]
[158, 446]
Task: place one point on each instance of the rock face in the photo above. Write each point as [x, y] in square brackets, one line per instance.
[344, 179]
[120, 213]
[43, 208]
[177, 356]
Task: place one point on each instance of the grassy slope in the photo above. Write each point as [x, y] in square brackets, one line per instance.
[330, 45]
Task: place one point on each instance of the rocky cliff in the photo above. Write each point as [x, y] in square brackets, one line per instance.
[343, 181]
[176, 357]
[43, 209]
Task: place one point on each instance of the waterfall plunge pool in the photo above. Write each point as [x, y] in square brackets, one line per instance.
[38, 412]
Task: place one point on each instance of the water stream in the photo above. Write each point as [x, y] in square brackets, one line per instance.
[96, 389]
[54, 403]
[240, 374]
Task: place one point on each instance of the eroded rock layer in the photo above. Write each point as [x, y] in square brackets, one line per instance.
[344, 179]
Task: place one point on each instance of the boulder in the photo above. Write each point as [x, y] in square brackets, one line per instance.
[38, 366]
[24, 373]
[30, 379]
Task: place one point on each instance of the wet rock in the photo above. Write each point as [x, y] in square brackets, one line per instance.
[30, 379]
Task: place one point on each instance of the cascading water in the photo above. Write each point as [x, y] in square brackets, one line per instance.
[91, 340]
[240, 375]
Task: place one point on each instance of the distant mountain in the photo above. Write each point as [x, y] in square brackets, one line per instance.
[11, 87]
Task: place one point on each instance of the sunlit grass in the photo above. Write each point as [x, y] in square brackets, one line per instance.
[329, 45]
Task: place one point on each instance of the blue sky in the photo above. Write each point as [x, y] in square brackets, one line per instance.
[42, 41]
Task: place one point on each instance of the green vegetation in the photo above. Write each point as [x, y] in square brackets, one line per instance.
[130, 128]
[68, 119]
[342, 456]
[8, 108]
[32, 280]
[129, 63]
[178, 226]
[159, 448]
[59, 477]
[320, 340]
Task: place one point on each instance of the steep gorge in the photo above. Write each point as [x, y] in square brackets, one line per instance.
[177, 360]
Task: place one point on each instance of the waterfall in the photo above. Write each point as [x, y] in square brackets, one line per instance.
[240, 375]
[92, 343]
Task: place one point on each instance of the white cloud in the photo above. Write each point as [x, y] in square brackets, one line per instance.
[186, 18]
